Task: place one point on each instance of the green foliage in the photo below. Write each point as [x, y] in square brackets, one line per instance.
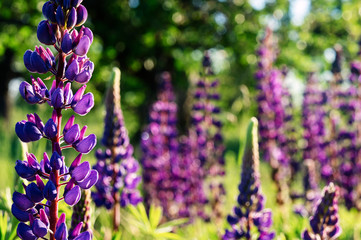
[138, 225]
[7, 222]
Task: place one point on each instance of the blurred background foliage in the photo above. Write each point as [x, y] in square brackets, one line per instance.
[146, 37]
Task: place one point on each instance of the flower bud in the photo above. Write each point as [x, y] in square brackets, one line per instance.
[69, 124]
[86, 73]
[66, 43]
[49, 11]
[22, 201]
[61, 232]
[87, 144]
[83, 46]
[81, 171]
[72, 134]
[72, 197]
[45, 164]
[34, 193]
[90, 180]
[43, 217]
[84, 236]
[45, 33]
[27, 61]
[39, 228]
[20, 215]
[26, 91]
[72, 70]
[72, 18]
[60, 18]
[82, 15]
[66, 4]
[57, 98]
[56, 162]
[23, 169]
[49, 191]
[25, 232]
[50, 129]
[85, 104]
[27, 131]
[37, 63]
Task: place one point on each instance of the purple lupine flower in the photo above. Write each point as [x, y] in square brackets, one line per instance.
[273, 117]
[206, 136]
[325, 220]
[47, 176]
[160, 152]
[172, 172]
[250, 214]
[117, 185]
[345, 134]
[80, 219]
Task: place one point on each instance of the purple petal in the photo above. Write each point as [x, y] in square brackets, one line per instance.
[87, 144]
[81, 171]
[66, 43]
[60, 18]
[31, 132]
[82, 15]
[83, 46]
[73, 196]
[24, 232]
[84, 236]
[49, 191]
[34, 193]
[19, 130]
[38, 63]
[39, 228]
[89, 181]
[50, 129]
[72, 134]
[57, 98]
[56, 162]
[84, 105]
[20, 215]
[72, 18]
[61, 232]
[49, 11]
[27, 61]
[22, 202]
[45, 33]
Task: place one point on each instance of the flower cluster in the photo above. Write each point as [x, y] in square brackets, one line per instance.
[324, 223]
[39, 204]
[313, 121]
[207, 135]
[173, 176]
[250, 213]
[160, 151]
[118, 179]
[272, 115]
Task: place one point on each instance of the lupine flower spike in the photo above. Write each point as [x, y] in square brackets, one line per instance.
[273, 117]
[118, 181]
[39, 205]
[207, 135]
[250, 220]
[172, 173]
[325, 220]
[160, 152]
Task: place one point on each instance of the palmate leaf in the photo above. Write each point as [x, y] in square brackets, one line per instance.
[155, 215]
[137, 224]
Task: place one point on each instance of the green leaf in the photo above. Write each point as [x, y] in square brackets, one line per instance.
[169, 236]
[174, 223]
[155, 215]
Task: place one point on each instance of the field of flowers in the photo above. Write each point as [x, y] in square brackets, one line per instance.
[87, 155]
